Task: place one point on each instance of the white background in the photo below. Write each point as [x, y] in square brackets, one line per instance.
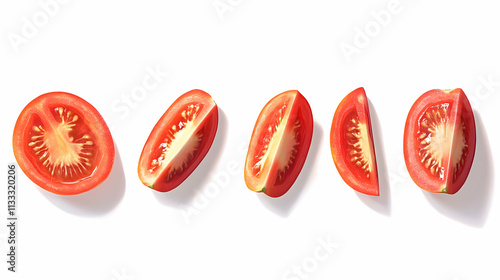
[212, 226]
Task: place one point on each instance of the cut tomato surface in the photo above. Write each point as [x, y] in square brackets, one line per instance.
[440, 140]
[279, 145]
[179, 141]
[62, 144]
[351, 143]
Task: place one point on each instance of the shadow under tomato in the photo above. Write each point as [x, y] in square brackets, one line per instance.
[471, 204]
[186, 191]
[98, 201]
[283, 205]
[381, 203]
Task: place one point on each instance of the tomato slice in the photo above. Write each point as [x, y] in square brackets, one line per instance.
[440, 140]
[179, 141]
[279, 144]
[62, 144]
[351, 143]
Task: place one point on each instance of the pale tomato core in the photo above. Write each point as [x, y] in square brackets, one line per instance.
[179, 145]
[359, 147]
[279, 144]
[53, 144]
[439, 140]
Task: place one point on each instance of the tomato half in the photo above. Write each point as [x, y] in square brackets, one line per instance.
[440, 140]
[62, 144]
[351, 143]
[279, 144]
[179, 141]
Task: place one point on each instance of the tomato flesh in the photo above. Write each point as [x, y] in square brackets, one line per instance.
[179, 141]
[62, 144]
[279, 144]
[440, 140]
[65, 153]
[351, 143]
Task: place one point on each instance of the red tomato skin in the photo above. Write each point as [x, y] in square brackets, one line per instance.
[209, 125]
[461, 109]
[100, 131]
[338, 144]
[300, 110]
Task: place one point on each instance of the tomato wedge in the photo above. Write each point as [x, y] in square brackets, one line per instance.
[179, 141]
[351, 143]
[279, 144]
[62, 144]
[440, 140]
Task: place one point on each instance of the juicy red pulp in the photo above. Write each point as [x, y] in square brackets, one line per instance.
[440, 140]
[62, 145]
[351, 143]
[358, 162]
[273, 125]
[279, 144]
[184, 120]
[433, 121]
[179, 141]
